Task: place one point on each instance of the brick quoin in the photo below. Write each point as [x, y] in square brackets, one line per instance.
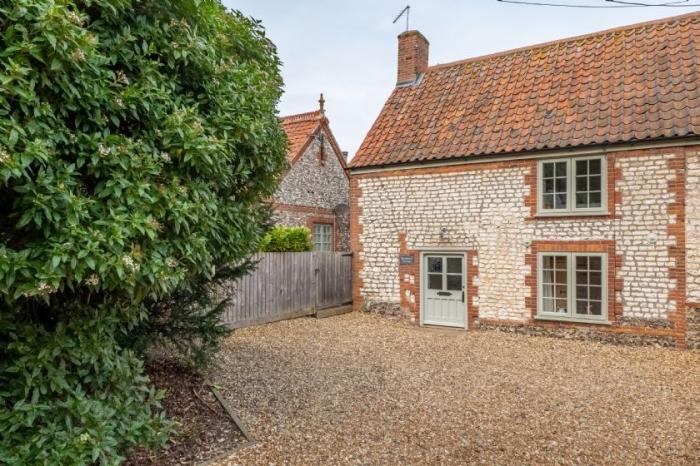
[355, 243]
[618, 164]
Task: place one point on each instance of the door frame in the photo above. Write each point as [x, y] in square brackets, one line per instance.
[422, 282]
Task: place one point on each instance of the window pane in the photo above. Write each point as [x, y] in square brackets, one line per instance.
[596, 308]
[594, 167]
[547, 291]
[454, 282]
[581, 183]
[581, 307]
[581, 292]
[548, 262]
[560, 201]
[561, 262]
[581, 278]
[594, 200]
[547, 276]
[548, 305]
[434, 264]
[548, 201]
[560, 291]
[561, 277]
[561, 306]
[454, 265]
[581, 262]
[582, 200]
[595, 293]
[435, 281]
[560, 185]
[594, 183]
[548, 170]
[582, 167]
[561, 168]
[596, 263]
[595, 278]
[549, 185]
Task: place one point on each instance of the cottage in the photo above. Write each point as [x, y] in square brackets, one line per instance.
[315, 190]
[548, 189]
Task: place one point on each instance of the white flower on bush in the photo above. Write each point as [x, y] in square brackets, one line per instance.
[44, 288]
[165, 157]
[74, 18]
[79, 55]
[122, 78]
[84, 437]
[155, 224]
[92, 280]
[170, 262]
[4, 157]
[130, 263]
[103, 150]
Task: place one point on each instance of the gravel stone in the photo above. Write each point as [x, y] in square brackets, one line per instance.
[359, 389]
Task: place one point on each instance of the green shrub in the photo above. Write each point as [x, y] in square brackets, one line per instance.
[137, 142]
[287, 239]
[69, 395]
[188, 321]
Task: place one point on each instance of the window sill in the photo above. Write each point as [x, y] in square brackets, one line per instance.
[566, 215]
[573, 320]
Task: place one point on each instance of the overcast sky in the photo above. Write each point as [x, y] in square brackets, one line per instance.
[347, 48]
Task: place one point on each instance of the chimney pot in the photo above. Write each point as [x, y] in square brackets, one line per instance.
[413, 57]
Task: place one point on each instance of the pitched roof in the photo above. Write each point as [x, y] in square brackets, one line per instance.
[634, 83]
[299, 129]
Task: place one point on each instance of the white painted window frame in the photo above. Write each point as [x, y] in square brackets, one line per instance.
[571, 208]
[330, 236]
[571, 315]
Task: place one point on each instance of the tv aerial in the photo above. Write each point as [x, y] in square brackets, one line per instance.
[406, 11]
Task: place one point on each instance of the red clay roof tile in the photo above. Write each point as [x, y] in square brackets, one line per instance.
[299, 129]
[629, 84]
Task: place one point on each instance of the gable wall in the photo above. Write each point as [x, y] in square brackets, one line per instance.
[488, 209]
[311, 191]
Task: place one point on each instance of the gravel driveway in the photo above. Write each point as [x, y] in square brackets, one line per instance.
[359, 389]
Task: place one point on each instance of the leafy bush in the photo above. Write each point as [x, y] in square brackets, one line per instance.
[137, 139]
[69, 395]
[287, 239]
[188, 321]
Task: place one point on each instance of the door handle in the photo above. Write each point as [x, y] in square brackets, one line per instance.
[444, 293]
[462, 296]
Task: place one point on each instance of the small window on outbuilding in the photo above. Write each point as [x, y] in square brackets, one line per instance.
[323, 237]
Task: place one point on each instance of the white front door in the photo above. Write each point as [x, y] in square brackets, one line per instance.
[443, 288]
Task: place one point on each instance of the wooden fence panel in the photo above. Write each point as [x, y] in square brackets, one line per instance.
[288, 284]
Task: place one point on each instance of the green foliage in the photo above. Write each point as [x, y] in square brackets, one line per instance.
[286, 239]
[137, 139]
[187, 322]
[69, 396]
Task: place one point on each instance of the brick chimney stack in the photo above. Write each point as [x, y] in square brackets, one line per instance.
[413, 57]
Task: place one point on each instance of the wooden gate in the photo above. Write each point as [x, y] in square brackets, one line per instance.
[289, 284]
